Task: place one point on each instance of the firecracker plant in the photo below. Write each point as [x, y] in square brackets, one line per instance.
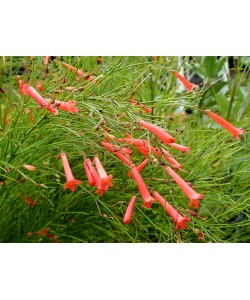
[124, 149]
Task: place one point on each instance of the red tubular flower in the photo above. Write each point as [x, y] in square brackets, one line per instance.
[159, 132]
[46, 60]
[141, 145]
[109, 137]
[188, 191]
[30, 201]
[39, 86]
[106, 179]
[135, 142]
[67, 106]
[71, 68]
[180, 221]
[165, 153]
[31, 118]
[43, 232]
[139, 168]
[171, 160]
[146, 109]
[228, 126]
[29, 167]
[100, 190]
[123, 158]
[108, 146]
[27, 89]
[144, 150]
[180, 147]
[126, 151]
[78, 72]
[189, 86]
[129, 211]
[90, 178]
[71, 181]
[20, 83]
[142, 187]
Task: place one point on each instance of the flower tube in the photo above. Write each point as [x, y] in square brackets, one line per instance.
[180, 147]
[159, 132]
[129, 211]
[148, 110]
[67, 106]
[29, 167]
[27, 89]
[90, 178]
[180, 221]
[139, 168]
[100, 189]
[228, 126]
[171, 160]
[39, 86]
[106, 179]
[189, 86]
[71, 182]
[123, 158]
[188, 191]
[148, 199]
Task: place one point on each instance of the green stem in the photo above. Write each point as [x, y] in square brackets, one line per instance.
[231, 101]
[13, 154]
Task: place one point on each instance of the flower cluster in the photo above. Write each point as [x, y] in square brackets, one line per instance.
[146, 149]
[98, 176]
[124, 148]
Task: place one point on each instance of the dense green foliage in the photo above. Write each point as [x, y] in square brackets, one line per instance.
[217, 166]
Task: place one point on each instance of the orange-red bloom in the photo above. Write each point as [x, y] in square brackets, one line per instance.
[78, 72]
[180, 147]
[122, 157]
[43, 232]
[180, 221]
[67, 106]
[20, 83]
[108, 146]
[159, 132]
[71, 182]
[170, 159]
[29, 167]
[143, 107]
[141, 145]
[148, 199]
[27, 89]
[129, 211]
[188, 191]
[98, 182]
[30, 201]
[139, 168]
[126, 151]
[71, 68]
[228, 126]
[46, 60]
[90, 178]
[189, 86]
[39, 86]
[105, 179]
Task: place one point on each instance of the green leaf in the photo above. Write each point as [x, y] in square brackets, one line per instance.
[223, 103]
[209, 65]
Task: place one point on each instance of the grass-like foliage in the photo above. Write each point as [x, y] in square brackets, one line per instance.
[113, 96]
